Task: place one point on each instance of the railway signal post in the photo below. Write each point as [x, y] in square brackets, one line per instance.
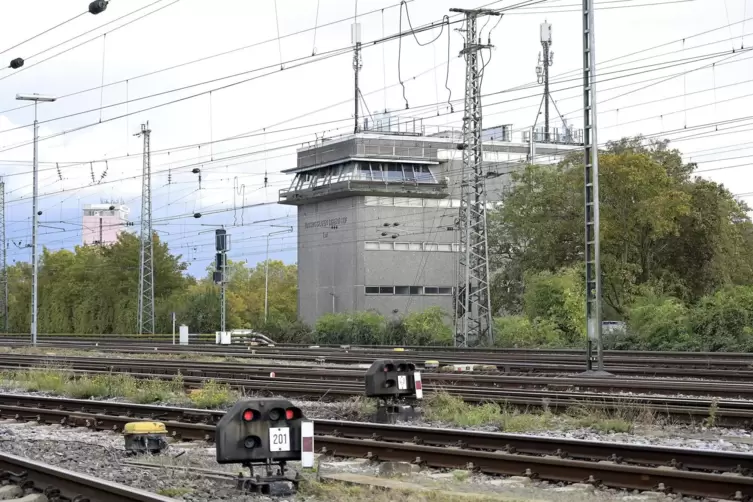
[264, 435]
[393, 382]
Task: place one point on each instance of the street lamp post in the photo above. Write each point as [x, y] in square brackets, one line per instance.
[35, 215]
[266, 272]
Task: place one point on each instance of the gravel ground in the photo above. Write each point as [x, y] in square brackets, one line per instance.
[101, 454]
[681, 436]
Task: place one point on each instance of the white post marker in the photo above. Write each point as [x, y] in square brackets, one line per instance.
[419, 385]
[307, 444]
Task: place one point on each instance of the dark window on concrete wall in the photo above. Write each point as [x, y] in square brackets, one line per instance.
[408, 290]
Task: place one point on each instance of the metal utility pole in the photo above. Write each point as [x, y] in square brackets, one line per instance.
[473, 323]
[591, 172]
[266, 272]
[4, 270]
[542, 71]
[35, 214]
[146, 270]
[222, 246]
[355, 38]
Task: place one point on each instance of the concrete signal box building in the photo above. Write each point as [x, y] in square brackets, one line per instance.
[377, 213]
[102, 223]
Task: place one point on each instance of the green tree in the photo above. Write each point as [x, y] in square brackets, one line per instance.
[559, 297]
[657, 226]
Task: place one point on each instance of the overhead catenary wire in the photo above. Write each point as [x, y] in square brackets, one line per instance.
[27, 67]
[44, 32]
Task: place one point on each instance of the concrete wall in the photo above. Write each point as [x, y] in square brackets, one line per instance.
[333, 259]
[327, 257]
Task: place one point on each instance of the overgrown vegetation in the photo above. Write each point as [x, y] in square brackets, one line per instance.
[144, 391]
[445, 408]
[676, 260]
[174, 491]
[429, 327]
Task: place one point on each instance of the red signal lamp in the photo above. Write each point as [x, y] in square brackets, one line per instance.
[292, 414]
[249, 415]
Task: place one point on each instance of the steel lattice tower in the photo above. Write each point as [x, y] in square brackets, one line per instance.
[146, 269]
[473, 323]
[4, 264]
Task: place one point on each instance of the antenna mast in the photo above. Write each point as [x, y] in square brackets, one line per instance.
[542, 70]
[355, 38]
[473, 321]
[146, 270]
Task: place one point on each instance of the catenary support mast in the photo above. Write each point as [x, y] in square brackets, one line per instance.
[146, 270]
[591, 173]
[473, 323]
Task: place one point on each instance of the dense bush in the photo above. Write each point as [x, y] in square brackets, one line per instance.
[658, 323]
[429, 327]
[521, 332]
[558, 298]
[283, 330]
[724, 320]
[370, 328]
[350, 328]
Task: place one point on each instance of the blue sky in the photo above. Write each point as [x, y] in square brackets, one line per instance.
[284, 110]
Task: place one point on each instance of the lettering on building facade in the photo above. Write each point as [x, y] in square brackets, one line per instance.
[329, 223]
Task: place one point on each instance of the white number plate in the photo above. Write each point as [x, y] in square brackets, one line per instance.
[279, 439]
[402, 382]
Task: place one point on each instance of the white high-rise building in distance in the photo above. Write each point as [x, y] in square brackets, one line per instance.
[102, 223]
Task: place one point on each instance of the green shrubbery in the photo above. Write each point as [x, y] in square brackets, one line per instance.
[429, 327]
[722, 321]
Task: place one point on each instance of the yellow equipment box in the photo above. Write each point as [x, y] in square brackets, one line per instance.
[144, 428]
[145, 437]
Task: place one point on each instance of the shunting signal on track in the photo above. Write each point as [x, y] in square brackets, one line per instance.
[393, 382]
[388, 378]
[266, 433]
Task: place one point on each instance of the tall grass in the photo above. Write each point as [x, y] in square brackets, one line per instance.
[143, 391]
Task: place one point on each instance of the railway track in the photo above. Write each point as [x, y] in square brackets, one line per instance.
[261, 372]
[556, 395]
[36, 477]
[691, 472]
[732, 367]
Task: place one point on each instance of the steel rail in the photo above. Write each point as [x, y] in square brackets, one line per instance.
[681, 409]
[191, 423]
[208, 339]
[482, 380]
[721, 366]
[71, 485]
[690, 472]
